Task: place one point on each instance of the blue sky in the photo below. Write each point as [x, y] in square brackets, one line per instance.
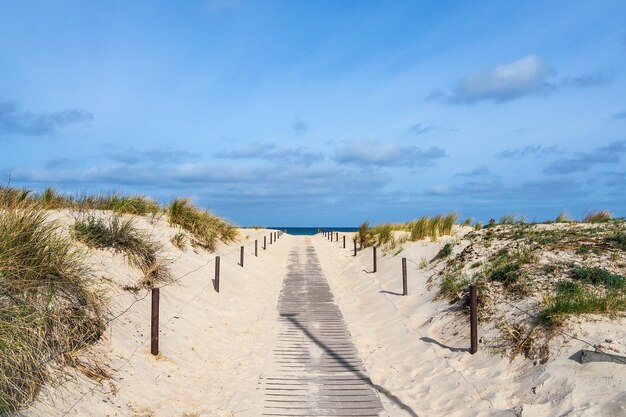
[320, 112]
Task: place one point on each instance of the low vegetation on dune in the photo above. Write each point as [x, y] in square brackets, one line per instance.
[50, 199]
[544, 273]
[383, 235]
[122, 235]
[50, 308]
[206, 229]
[47, 309]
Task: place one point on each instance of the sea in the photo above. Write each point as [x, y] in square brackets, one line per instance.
[313, 230]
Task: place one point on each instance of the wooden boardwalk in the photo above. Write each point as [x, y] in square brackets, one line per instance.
[317, 370]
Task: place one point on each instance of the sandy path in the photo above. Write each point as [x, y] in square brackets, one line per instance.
[314, 368]
[416, 347]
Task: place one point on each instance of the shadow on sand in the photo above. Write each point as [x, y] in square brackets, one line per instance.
[441, 345]
[390, 292]
[346, 365]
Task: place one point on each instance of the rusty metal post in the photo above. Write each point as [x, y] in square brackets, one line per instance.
[405, 287]
[256, 247]
[154, 326]
[216, 283]
[344, 241]
[374, 253]
[241, 257]
[354, 247]
[473, 319]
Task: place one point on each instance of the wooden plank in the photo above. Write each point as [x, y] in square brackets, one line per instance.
[317, 369]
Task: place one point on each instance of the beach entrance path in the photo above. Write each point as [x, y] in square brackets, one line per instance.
[315, 368]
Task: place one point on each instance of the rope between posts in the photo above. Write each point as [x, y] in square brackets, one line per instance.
[528, 313]
[132, 304]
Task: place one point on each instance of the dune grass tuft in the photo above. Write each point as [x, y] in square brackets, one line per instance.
[573, 298]
[123, 236]
[597, 216]
[205, 228]
[46, 308]
[50, 199]
[599, 276]
[179, 240]
[562, 218]
[445, 251]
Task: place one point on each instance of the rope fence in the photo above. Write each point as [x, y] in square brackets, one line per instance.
[155, 293]
[475, 290]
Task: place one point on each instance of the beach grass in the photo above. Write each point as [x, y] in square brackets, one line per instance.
[47, 309]
[207, 229]
[121, 234]
[599, 216]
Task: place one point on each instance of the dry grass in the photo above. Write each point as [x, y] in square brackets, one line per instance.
[432, 227]
[50, 199]
[123, 236]
[597, 216]
[383, 235]
[46, 308]
[205, 228]
[180, 240]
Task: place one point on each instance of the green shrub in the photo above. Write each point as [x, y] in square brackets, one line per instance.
[618, 240]
[572, 298]
[445, 251]
[599, 276]
[506, 268]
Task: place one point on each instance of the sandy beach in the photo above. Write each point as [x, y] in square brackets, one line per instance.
[215, 348]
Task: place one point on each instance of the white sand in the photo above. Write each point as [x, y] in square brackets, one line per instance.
[210, 343]
[414, 347]
[215, 346]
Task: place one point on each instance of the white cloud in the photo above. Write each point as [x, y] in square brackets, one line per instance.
[368, 153]
[505, 82]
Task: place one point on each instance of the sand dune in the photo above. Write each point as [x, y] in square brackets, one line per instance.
[214, 347]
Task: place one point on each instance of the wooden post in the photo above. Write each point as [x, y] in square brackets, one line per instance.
[344, 241]
[154, 326]
[271, 238]
[405, 287]
[264, 242]
[256, 247]
[216, 283]
[337, 237]
[473, 319]
[354, 247]
[241, 257]
[374, 253]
